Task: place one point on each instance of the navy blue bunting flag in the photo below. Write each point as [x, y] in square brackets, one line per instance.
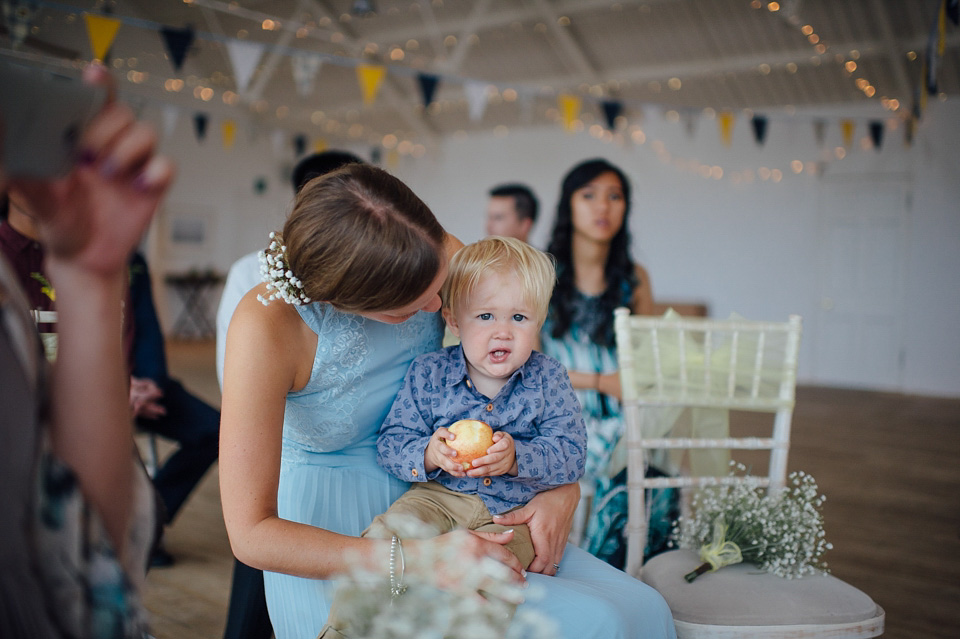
[200, 126]
[759, 123]
[611, 110]
[428, 86]
[178, 42]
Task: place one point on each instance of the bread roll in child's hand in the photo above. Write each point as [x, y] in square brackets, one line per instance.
[473, 438]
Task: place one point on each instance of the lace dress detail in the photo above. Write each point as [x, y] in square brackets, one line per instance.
[326, 415]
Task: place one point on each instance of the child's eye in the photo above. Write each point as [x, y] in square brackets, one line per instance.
[485, 316]
[616, 197]
[518, 317]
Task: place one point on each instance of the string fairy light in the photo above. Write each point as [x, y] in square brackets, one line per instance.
[206, 89]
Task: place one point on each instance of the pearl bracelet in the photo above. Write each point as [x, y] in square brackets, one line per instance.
[397, 586]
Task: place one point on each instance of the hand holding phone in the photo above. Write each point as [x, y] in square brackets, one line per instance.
[42, 115]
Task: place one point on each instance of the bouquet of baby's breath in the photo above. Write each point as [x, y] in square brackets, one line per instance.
[447, 595]
[780, 533]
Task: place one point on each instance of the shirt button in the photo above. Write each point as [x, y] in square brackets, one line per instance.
[414, 472]
[489, 407]
[486, 481]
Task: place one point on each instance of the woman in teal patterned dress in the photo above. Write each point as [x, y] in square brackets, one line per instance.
[307, 384]
[595, 275]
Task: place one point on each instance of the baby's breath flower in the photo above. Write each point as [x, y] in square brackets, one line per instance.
[280, 280]
[782, 533]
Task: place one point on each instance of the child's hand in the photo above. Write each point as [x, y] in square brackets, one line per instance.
[501, 458]
[439, 455]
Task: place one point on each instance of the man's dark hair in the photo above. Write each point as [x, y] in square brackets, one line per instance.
[4, 207]
[524, 200]
[319, 164]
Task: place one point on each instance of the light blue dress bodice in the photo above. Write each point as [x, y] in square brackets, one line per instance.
[329, 478]
[357, 371]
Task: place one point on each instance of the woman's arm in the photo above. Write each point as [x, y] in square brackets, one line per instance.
[266, 353]
[89, 221]
[642, 303]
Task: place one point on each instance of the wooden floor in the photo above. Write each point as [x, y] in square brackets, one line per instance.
[888, 463]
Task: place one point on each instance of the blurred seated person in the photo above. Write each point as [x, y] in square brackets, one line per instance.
[78, 508]
[160, 404]
[163, 406]
[511, 211]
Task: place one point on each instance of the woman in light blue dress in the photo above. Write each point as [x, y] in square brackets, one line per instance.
[308, 380]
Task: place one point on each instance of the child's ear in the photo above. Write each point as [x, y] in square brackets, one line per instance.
[451, 319]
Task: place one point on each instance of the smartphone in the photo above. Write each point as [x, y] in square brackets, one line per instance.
[42, 115]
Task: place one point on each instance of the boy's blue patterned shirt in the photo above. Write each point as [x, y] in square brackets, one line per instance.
[537, 406]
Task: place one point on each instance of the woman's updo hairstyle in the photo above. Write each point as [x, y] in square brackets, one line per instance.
[359, 239]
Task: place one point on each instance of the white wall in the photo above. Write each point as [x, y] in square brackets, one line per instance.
[750, 248]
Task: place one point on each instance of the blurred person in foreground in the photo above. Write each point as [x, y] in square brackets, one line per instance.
[78, 506]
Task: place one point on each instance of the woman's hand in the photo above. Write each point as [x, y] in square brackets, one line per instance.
[549, 515]
[94, 217]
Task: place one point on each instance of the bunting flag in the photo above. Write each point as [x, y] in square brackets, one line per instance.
[910, 130]
[375, 156]
[177, 42]
[936, 45]
[569, 109]
[229, 131]
[847, 127]
[611, 109]
[200, 126]
[300, 144]
[876, 133]
[370, 77]
[689, 123]
[428, 86]
[169, 116]
[278, 142]
[393, 159]
[101, 31]
[525, 100]
[725, 121]
[476, 93]
[18, 16]
[819, 131]
[759, 123]
[320, 145]
[305, 68]
[245, 56]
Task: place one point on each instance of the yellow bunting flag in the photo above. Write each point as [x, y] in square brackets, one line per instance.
[847, 127]
[569, 109]
[725, 122]
[229, 131]
[370, 78]
[319, 145]
[101, 31]
[393, 159]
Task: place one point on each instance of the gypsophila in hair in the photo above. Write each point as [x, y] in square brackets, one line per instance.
[280, 280]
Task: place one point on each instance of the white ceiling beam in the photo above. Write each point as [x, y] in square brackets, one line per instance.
[255, 91]
[894, 53]
[506, 17]
[739, 64]
[570, 49]
[469, 28]
[402, 104]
